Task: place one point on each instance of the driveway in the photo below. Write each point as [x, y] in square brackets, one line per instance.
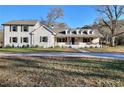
[63, 54]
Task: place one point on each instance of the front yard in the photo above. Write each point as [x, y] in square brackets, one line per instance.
[116, 49]
[59, 71]
[32, 50]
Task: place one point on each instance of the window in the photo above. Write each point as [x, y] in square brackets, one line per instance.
[74, 32]
[85, 32]
[25, 39]
[87, 39]
[14, 28]
[25, 28]
[68, 32]
[84, 39]
[61, 39]
[58, 39]
[90, 32]
[79, 32]
[43, 39]
[14, 39]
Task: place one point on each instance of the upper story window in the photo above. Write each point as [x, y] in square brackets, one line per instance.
[14, 28]
[25, 28]
[74, 32]
[84, 32]
[68, 32]
[79, 32]
[90, 32]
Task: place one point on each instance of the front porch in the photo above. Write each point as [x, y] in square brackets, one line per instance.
[78, 42]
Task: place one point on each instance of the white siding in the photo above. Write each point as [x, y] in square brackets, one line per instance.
[18, 34]
[41, 32]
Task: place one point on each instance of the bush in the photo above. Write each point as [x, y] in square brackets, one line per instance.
[96, 47]
[57, 47]
[12, 46]
[70, 47]
[8, 46]
[120, 40]
[36, 46]
[91, 46]
[51, 47]
[23, 46]
[27, 46]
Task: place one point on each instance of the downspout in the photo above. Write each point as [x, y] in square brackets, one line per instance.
[31, 39]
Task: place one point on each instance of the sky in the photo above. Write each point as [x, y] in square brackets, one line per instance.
[74, 16]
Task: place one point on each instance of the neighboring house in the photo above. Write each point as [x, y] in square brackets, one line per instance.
[32, 33]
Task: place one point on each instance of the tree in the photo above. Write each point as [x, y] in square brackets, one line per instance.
[52, 16]
[110, 19]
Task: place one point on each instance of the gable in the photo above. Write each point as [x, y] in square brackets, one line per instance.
[43, 30]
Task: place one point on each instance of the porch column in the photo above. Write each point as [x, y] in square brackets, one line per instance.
[78, 39]
[68, 40]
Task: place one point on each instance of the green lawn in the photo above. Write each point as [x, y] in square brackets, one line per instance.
[44, 71]
[37, 50]
[119, 49]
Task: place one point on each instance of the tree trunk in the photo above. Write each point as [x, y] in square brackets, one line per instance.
[112, 42]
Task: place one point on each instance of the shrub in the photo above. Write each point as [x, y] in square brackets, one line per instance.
[27, 46]
[96, 47]
[91, 46]
[70, 47]
[51, 47]
[57, 46]
[8, 46]
[23, 46]
[36, 46]
[12, 46]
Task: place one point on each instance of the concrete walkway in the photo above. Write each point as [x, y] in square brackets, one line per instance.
[63, 54]
[81, 50]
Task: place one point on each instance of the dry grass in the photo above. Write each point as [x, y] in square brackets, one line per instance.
[44, 71]
[118, 49]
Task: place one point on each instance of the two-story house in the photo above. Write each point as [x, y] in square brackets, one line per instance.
[32, 33]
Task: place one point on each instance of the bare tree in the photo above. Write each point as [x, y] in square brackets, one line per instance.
[52, 16]
[110, 19]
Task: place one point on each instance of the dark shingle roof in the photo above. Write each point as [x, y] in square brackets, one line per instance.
[21, 22]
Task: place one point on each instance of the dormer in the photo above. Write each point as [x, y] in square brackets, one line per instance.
[90, 32]
[85, 32]
[74, 32]
[67, 31]
[77, 31]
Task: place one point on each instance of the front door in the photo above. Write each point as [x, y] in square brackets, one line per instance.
[73, 41]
